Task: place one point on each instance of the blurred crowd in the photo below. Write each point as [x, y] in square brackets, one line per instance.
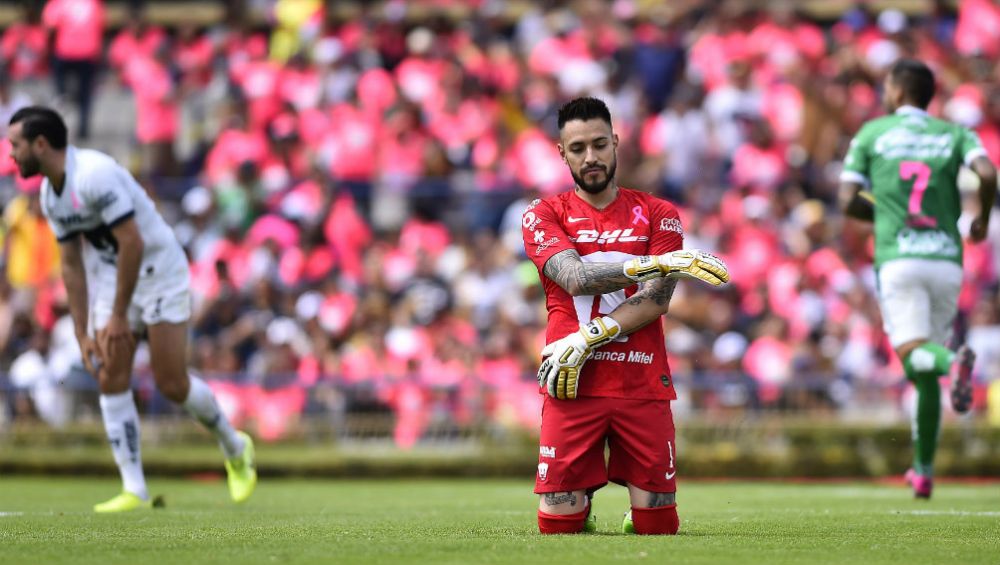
[353, 179]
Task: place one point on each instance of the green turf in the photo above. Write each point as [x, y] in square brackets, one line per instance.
[48, 520]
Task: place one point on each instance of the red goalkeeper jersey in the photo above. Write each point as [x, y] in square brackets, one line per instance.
[635, 224]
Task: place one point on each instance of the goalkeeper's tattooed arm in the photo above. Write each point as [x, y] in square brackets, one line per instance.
[585, 279]
[645, 306]
[576, 277]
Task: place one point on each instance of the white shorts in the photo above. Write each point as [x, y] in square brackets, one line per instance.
[165, 299]
[919, 299]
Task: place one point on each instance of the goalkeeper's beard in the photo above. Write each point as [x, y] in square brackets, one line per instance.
[598, 186]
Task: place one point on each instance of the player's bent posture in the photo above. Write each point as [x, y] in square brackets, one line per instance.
[125, 274]
[593, 246]
[910, 162]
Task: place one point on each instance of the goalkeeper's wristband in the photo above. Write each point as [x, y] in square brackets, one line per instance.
[600, 331]
[642, 268]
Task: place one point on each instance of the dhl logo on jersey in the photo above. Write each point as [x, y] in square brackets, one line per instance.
[591, 236]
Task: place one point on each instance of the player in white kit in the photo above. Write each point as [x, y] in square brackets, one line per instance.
[126, 276]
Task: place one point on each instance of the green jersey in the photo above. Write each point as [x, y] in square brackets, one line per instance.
[911, 161]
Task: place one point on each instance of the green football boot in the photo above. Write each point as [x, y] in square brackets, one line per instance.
[627, 526]
[241, 471]
[123, 502]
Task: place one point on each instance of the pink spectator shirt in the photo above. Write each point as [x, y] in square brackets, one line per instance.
[78, 25]
[24, 48]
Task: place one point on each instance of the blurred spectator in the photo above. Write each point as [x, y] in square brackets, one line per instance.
[136, 39]
[78, 26]
[10, 102]
[30, 249]
[24, 46]
[298, 21]
[157, 107]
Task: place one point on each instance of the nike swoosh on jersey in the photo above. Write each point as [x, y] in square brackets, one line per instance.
[573, 220]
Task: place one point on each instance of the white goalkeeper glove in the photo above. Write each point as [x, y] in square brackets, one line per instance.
[676, 264]
[564, 358]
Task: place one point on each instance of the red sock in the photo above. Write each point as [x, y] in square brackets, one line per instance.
[662, 520]
[568, 524]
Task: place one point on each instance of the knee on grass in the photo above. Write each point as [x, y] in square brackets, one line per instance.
[662, 520]
[563, 512]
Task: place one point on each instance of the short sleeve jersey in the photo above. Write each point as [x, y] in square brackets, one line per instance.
[911, 162]
[635, 224]
[98, 195]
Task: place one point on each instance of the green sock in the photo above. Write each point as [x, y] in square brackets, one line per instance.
[926, 425]
[923, 367]
[930, 359]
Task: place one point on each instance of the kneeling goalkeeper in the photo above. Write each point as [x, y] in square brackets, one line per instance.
[593, 246]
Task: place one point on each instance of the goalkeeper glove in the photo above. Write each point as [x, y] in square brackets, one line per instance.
[564, 358]
[685, 263]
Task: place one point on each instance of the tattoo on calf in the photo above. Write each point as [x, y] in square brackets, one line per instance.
[557, 498]
[659, 499]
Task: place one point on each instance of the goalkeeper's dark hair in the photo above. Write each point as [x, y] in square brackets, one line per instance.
[585, 108]
[915, 79]
[41, 121]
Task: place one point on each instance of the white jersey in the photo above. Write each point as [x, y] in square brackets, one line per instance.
[99, 194]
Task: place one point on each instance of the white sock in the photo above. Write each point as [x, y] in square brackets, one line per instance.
[201, 404]
[121, 422]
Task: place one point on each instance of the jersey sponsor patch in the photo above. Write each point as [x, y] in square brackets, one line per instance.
[927, 242]
[640, 357]
[671, 224]
[903, 143]
[607, 236]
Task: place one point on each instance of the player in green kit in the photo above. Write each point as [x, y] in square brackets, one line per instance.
[901, 172]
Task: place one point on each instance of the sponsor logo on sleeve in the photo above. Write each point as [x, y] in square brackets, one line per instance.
[546, 244]
[105, 200]
[547, 451]
[530, 221]
[671, 224]
[531, 206]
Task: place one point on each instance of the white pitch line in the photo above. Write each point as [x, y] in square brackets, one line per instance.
[5, 514]
[989, 513]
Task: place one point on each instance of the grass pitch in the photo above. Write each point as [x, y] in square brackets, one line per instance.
[48, 520]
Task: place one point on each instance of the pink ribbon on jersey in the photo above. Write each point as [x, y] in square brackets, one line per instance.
[637, 216]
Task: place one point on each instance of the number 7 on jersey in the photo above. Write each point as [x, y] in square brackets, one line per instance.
[920, 172]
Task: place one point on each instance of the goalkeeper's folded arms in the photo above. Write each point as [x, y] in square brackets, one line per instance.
[686, 263]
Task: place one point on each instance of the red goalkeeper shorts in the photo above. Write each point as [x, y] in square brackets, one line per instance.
[639, 433]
